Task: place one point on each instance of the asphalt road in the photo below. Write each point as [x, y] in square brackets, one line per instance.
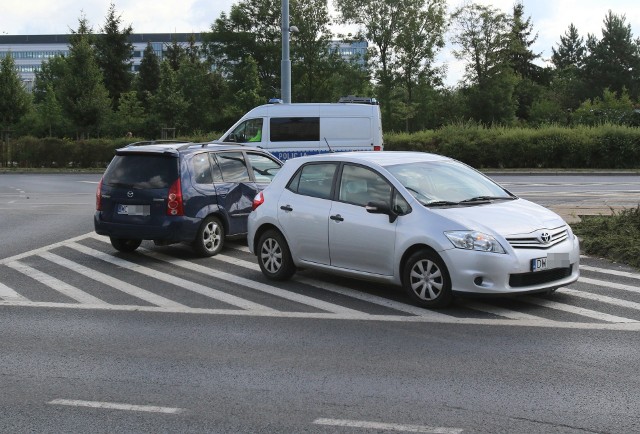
[162, 341]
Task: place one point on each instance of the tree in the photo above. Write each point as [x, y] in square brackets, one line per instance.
[148, 78]
[383, 20]
[175, 54]
[416, 47]
[169, 104]
[251, 30]
[84, 98]
[613, 62]
[571, 50]
[130, 116]
[113, 55]
[310, 51]
[482, 36]
[50, 112]
[15, 101]
[519, 52]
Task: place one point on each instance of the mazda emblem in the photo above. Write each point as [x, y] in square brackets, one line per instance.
[545, 237]
[129, 193]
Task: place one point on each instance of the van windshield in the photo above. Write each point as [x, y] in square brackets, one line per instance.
[141, 171]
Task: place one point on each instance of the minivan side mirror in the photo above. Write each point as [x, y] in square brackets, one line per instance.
[381, 208]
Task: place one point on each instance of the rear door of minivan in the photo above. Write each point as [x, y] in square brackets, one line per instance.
[135, 187]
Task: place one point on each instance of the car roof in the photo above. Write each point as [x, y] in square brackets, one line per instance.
[175, 147]
[381, 158]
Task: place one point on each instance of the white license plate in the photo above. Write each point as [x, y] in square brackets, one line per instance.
[552, 260]
[134, 209]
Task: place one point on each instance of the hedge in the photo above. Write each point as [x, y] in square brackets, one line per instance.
[582, 147]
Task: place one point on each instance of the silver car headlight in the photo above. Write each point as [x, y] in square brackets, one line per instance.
[473, 240]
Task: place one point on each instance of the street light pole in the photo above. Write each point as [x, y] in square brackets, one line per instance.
[285, 66]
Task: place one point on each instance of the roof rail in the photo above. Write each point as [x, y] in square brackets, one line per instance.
[153, 142]
[358, 100]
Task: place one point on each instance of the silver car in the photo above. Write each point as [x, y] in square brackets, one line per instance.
[426, 222]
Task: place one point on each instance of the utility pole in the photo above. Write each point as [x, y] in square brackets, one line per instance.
[285, 65]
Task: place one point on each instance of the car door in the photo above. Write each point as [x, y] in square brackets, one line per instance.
[303, 211]
[263, 169]
[234, 188]
[359, 240]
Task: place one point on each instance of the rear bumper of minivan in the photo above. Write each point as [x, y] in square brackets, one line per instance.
[171, 229]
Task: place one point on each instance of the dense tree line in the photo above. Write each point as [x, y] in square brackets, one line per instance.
[197, 89]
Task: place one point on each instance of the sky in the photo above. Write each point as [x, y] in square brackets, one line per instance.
[550, 18]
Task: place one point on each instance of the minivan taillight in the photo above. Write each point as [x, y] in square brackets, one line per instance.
[174, 201]
[377, 148]
[257, 201]
[99, 196]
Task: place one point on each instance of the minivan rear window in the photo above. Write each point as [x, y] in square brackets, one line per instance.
[141, 171]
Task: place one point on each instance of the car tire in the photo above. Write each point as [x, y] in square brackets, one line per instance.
[274, 256]
[426, 280]
[210, 238]
[125, 244]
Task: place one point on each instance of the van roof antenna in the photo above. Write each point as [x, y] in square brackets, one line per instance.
[328, 146]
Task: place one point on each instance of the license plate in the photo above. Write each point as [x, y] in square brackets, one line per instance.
[134, 209]
[552, 260]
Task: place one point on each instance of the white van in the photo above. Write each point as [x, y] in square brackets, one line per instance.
[294, 130]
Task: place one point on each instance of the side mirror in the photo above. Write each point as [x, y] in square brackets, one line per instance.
[381, 208]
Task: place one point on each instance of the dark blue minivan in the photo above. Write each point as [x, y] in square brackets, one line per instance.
[198, 193]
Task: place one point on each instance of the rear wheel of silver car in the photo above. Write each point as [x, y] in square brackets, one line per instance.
[426, 280]
[124, 244]
[274, 256]
[210, 238]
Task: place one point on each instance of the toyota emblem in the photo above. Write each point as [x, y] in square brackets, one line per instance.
[129, 193]
[545, 237]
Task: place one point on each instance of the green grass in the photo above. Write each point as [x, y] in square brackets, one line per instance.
[615, 237]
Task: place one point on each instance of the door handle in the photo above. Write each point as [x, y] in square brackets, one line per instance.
[337, 218]
[286, 208]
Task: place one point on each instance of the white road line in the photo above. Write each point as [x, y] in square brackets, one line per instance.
[117, 406]
[288, 295]
[613, 272]
[241, 248]
[625, 327]
[602, 298]
[612, 285]
[44, 249]
[56, 284]
[120, 285]
[386, 426]
[500, 311]
[415, 310]
[9, 294]
[174, 280]
[577, 310]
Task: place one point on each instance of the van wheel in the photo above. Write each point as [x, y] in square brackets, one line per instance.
[124, 244]
[210, 238]
[426, 280]
[274, 256]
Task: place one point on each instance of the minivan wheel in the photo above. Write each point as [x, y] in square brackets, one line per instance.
[426, 280]
[210, 238]
[124, 244]
[274, 256]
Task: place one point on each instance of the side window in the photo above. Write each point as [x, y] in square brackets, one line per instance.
[248, 131]
[399, 205]
[216, 173]
[360, 185]
[232, 166]
[202, 168]
[314, 180]
[294, 129]
[263, 167]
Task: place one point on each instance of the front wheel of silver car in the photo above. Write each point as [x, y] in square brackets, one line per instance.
[210, 238]
[274, 256]
[426, 280]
